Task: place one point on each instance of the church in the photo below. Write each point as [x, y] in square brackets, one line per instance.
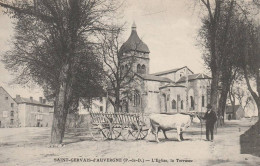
[175, 90]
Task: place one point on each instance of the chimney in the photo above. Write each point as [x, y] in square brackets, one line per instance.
[31, 99]
[40, 99]
[18, 97]
[44, 101]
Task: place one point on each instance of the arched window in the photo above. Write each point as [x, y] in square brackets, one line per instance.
[182, 104]
[191, 102]
[173, 104]
[143, 69]
[138, 68]
[203, 101]
[137, 99]
[164, 102]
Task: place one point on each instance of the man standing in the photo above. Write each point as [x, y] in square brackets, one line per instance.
[211, 119]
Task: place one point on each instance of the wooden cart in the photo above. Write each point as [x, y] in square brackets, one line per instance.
[113, 125]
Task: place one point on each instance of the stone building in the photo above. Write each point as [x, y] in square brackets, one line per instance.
[235, 113]
[175, 90]
[33, 113]
[96, 104]
[8, 110]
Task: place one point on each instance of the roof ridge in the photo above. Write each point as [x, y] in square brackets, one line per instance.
[170, 70]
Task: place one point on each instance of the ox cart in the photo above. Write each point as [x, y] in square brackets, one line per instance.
[113, 125]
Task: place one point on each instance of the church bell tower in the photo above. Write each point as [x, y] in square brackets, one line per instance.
[135, 47]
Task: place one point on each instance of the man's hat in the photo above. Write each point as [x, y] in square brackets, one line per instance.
[209, 106]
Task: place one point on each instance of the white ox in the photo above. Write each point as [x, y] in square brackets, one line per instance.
[166, 122]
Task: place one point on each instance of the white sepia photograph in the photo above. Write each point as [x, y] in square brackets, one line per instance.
[129, 82]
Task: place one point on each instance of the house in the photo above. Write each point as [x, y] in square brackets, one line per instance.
[33, 113]
[8, 110]
[235, 113]
[94, 104]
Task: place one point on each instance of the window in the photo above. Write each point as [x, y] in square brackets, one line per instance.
[101, 108]
[143, 69]
[203, 101]
[12, 113]
[191, 102]
[182, 104]
[12, 121]
[173, 104]
[138, 68]
[12, 105]
[136, 98]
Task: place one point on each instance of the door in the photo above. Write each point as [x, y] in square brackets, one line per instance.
[38, 124]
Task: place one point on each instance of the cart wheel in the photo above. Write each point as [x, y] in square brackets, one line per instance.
[130, 131]
[115, 132]
[100, 128]
[143, 130]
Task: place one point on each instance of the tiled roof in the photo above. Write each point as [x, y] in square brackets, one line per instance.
[154, 78]
[229, 109]
[193, 77]
[171, 85]
[21, 100]
[134, 43]
[170, 71]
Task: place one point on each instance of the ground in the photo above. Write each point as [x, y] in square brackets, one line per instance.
[29, 146]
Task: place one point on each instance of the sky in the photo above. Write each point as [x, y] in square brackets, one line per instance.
[168, 27]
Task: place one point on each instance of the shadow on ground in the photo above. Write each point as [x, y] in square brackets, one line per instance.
[250, 141]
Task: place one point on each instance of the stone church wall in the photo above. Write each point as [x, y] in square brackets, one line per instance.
[197, 89]
[153, 97]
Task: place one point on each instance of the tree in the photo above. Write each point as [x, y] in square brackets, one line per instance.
[53, 39]
[118, 69]
[250, 60]
[209, 35]
[222, 44]
[241, 93]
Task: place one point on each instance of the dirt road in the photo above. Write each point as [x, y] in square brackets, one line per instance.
[29, 146]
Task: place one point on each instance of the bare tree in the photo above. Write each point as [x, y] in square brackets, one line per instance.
[52, 38]
[118, 67]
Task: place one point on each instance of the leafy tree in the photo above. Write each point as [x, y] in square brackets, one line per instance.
[250, 59]
[221, 39]
[214, 36]
[54, 46]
